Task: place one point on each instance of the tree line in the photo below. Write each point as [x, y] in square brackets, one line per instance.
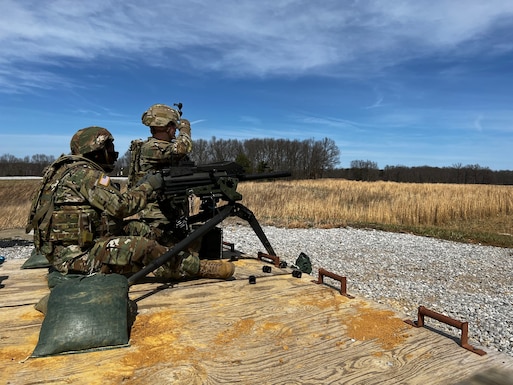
[305, 159]
[366, 170]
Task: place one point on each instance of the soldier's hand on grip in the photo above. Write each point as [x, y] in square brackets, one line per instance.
[154, 179]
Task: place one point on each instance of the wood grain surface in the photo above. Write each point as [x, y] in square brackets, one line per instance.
[280, 330]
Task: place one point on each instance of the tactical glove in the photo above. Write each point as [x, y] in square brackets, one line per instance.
[154, 179]
[185, 127]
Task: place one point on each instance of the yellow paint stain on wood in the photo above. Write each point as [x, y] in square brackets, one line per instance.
[382, 326]
[239, 329]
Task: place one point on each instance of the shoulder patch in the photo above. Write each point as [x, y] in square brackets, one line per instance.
[104, 180]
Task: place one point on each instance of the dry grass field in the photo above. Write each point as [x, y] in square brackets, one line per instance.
[466, 213]
[15, 198]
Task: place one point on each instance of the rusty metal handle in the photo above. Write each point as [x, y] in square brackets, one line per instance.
[274, 258]
[463, 326]
[230, 245]
[343, 281]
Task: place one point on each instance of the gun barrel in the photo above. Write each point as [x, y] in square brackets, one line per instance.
[270, 175]
[204, 179]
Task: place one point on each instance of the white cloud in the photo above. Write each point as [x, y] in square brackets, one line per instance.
[241, 38]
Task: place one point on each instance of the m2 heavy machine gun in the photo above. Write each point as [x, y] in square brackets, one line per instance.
[215, 185]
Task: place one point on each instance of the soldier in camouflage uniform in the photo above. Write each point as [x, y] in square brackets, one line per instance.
[163, 149]
[77, 216]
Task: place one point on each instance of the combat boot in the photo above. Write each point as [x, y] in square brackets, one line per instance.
[216, 269]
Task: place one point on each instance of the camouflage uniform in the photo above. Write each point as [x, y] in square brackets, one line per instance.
[77, 215]
[153, 155]
[156, 154]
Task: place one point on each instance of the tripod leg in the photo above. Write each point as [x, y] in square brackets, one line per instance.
[244, 213]
[225, 212]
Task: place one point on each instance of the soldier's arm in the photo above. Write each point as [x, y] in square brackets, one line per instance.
[183, 143]
[158, 153]
[97, 188]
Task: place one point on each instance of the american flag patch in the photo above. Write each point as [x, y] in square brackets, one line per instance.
[104, 180]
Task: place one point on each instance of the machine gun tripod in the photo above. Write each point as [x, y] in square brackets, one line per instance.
[230, 209]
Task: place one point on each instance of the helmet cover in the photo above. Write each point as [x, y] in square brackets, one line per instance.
[90, 139]
[160, 115]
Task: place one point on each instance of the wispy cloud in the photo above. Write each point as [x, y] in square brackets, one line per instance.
[253, 120]
[238, 38]
[377, 103]
[388, 79]
[477, 123]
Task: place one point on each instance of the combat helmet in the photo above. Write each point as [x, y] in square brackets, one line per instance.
[160, 115]
[90, 139]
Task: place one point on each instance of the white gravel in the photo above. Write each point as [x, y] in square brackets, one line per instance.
[471, 283]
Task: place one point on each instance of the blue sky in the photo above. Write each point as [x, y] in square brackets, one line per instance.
[395, 82]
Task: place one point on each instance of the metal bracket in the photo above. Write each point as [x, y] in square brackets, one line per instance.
[230, 245]
[423, 312]
[275, 259]
[343, 281]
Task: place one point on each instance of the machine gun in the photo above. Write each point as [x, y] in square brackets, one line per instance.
[211, 183]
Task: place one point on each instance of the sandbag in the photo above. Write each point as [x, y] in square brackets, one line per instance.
[303, 263]
[84, 314]
[42, 304]
[56, 278]
[36, 261]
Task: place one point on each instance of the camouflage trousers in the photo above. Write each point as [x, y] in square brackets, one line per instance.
[124, 255]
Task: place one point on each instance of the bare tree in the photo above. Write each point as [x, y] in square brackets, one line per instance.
[364, 170]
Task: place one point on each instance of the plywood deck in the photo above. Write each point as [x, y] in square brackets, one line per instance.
[281, 330]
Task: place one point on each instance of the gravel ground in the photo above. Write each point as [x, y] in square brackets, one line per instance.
[466, 282]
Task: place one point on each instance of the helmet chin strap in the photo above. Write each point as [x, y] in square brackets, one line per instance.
[110, 160]
[106, 160]
[107, 167]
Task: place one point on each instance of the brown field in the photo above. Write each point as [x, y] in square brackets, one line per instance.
[466, 213]
[15, 198]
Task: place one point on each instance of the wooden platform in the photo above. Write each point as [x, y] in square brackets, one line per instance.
[280, 330]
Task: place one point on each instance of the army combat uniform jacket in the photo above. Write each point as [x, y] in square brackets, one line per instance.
[154, 155]
[77, 218]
